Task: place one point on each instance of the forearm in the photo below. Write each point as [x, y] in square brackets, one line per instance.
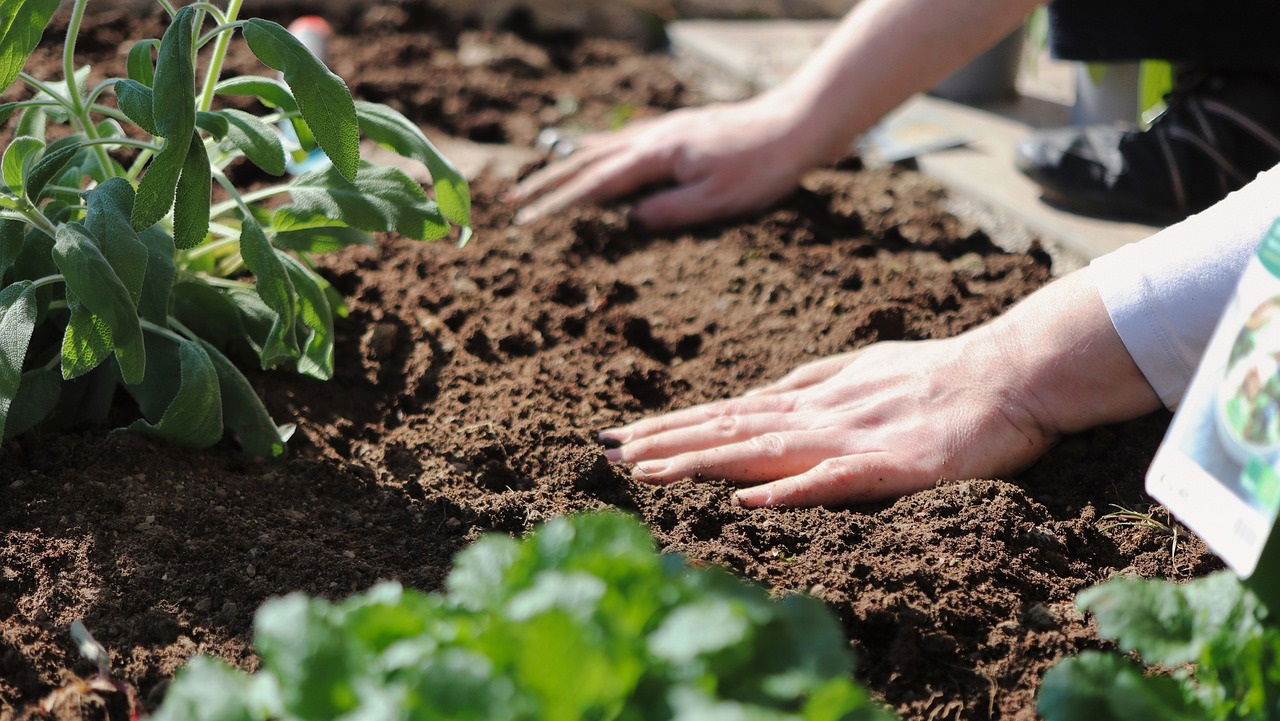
[1067, 359]
[883, 52]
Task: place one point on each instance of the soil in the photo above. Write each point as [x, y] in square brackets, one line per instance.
[471, 382]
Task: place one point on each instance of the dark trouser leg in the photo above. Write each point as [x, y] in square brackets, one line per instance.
[1219, 35]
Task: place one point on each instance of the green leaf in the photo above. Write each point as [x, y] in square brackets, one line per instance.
[194, 416]
[90, 277]
[315, 317]
[243, 411]
[174, 110]
[1098, 686]
[322, 239]
[31, 122]
[107, 220]
[11, 235]
[1168, 623]
[139, 65]
[137, 102]
[380, 200]
[217, 315]
[276, 290]
[302, 646]
[259, 142]
[323, 98]
[35, 400]
[19, 157]
[394, 131]
[22, 23]
[161, 271]
[17, 323]
[86, 342]
[272, 92]
[191, 207]
[55, 159]
[212, 123]
[207, 690]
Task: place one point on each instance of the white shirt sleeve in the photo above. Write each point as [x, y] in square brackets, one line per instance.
[1166, 293]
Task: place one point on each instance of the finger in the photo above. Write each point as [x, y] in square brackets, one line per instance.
[697, 414]
[611, 177]
[718, 432]
[558, 172]
[685, 205]
[804, 376]
[837, 481]
[762, 458]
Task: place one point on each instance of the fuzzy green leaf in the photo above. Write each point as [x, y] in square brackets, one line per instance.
[55, 159]
[91, 278]
[323, 98]
[17, 323]
[137, 102]
[11, 235]
[394, 131]
[35, 400]
[22, 23]
[276, 290]
[19, 157]
[86, 342]
[161, 272]
[380, 200]
[259, 142]
[107, 220]
[174, 110]
[322, 239]
[314, 324]
[1169, 624]
[193, 418]
[191, 206]
[31, 122]
[207, 689]
[272, 92]
[1104, 687]
[243, 411]
[139, 65]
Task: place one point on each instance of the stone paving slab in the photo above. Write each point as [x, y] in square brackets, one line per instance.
[735, 59]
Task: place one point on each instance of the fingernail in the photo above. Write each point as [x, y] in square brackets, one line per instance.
[752, 498]
[613, 455]
[647, 470]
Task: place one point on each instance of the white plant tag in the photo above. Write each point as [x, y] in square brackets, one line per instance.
[1218, 468]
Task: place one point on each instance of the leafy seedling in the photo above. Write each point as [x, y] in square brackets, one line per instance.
[581, 621]
[117, 271]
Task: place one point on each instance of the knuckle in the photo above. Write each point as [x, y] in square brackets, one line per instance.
[726, 426]
[771, 445]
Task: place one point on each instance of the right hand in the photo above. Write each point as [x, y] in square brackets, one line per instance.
[725, 160]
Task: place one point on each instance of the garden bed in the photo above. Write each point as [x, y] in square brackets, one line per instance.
[471, 382]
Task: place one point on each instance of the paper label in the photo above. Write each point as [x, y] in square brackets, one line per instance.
[1218, 468]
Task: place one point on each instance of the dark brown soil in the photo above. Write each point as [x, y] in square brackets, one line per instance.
[471, 383]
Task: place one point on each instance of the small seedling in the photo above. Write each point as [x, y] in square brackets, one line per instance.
[118, 271]
[1127, 518]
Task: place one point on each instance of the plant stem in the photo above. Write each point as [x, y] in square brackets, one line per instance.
[48, 280]
[224, 282]
[124, 142]
[46, 89]
[247, 198]
[34, 217]
[204, 39]
[73, 92]
[168, 7]
[160, 330]
[183, 329]
[219, 55]
[210, 248]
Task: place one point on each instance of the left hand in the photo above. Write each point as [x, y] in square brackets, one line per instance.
[879, 422]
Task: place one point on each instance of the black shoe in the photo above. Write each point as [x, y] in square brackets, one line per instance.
[1220, 130]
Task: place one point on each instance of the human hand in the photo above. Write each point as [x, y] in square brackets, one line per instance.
[725, 160]
[879, 422]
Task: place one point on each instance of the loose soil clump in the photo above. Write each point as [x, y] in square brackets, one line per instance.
[471, 383]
